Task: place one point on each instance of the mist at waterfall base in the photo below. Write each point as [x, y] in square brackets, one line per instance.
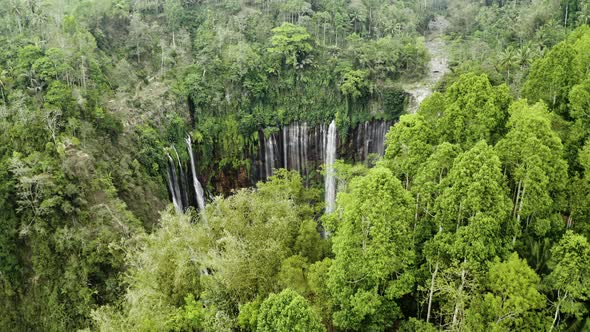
[297, 146]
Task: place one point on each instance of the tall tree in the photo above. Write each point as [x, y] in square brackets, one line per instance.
[292, 43]
[569, 279]
[474, 110]
[409, 143]
[532, 154]
[373, 252]
[475, 184]
[552, 77]
[512, 300]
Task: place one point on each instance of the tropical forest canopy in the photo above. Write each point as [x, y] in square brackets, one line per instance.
[472, 214]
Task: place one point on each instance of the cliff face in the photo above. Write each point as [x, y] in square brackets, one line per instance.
[297, 146]
[304, 148]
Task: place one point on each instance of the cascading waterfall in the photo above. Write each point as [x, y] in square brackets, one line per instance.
[285, 151]
[296, 146]
[182, 183]
[305, 159]
[301, 147]
[288, 149]
[269, 155]
[330, 179]
[174, 187]
[199, 194]
[370, 138]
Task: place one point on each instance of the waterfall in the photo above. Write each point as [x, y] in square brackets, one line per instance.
[330, 180]
[303, 148]
[295, 146]
[174, 188]
[285, 152]
[196, 184]
[370, 138]
[182, 181]
[269, 155]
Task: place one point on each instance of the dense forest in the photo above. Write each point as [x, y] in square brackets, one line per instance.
[292, 165]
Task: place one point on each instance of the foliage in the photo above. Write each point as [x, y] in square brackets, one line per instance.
[569, 275]
[287, 311]
[373, 256]
[292, 43]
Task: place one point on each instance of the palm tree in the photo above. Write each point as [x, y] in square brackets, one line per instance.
[526, 54]
[507, 60]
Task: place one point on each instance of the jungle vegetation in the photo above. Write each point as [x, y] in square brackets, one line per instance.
[477, 218]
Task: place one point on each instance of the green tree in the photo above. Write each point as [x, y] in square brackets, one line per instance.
[373, 252]
[532, 155]
[321, 298]
[292, 43]
[474, 110]
[293, 274]
[580, 195]
[456, 266]
[354, 84]
[579, 107]
[251, 236]
[475, 184]
[308, 242]
[579, 98]
[569, 280]
[287, 311]
[512, 301]
[409, 144]
[27, 56]
[507, 60]
[429, 178]
[552, 77]
[162, 271]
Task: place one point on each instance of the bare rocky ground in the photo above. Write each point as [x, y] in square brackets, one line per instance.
[438, 66]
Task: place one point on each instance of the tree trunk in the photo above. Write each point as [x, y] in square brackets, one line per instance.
[83, 72]
[460, 291]
[516, 198]
[520, 204]
[416, 215]
[557, 311]
[431, 292]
